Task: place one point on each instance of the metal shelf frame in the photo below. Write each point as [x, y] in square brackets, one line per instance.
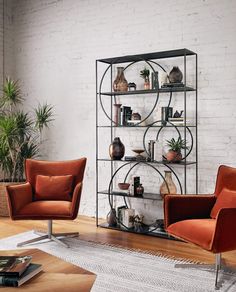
[150, 59]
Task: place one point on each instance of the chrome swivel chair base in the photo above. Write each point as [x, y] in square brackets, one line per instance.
[49, 235]
[217, 267]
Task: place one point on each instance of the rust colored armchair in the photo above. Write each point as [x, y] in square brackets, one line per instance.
[52, 192]
[206, 220]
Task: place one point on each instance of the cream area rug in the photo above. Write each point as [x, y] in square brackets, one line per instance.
[120, 270]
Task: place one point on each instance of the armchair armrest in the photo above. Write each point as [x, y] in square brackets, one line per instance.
[224, 238]
[76, 200]
[18, 196]
[182, 207]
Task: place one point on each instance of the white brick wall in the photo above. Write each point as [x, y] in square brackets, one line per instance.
[56, 44]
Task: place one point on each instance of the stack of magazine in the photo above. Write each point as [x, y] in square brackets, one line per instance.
[16, 270]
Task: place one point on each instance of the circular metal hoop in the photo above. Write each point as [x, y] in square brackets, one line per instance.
[157, 97]
[133, 166]
[159, 131]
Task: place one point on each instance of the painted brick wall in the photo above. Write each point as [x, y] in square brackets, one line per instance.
[56, 44]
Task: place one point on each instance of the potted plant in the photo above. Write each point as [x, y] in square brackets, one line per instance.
[175, 146]
[20, 136]
[145, 75]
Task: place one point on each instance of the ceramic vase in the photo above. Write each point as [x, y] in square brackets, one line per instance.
[111, 218]
[117, 113]
[140, 190]
[168, 186]
[120, 83]
[116, 149]
[175, 75]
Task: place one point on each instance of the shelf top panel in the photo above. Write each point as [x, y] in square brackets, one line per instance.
[146, 57]
[164, 162]
[148, 91]
[152, 126]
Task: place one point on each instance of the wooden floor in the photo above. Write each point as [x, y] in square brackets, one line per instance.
[88, 231]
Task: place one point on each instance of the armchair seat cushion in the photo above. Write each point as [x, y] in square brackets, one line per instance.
[44, 210]
[197, 231]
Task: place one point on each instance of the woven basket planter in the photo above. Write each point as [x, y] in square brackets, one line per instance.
[3, 198]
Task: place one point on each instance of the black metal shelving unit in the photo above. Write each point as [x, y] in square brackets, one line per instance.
[116, 165]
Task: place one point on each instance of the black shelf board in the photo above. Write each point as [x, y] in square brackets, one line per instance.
[146, 196]
[150, 56]
[149, 91]
[151, 162]
[154, 126]
[158, 232]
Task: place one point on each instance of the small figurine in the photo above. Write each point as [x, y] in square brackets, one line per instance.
[135, 116]
[131, 86]
[178, 114]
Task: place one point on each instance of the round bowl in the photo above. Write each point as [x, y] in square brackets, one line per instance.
[123, 186]
[138, 151]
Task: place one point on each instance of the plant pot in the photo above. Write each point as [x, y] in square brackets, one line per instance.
[4, 212]
[146, 83]
[173, 156]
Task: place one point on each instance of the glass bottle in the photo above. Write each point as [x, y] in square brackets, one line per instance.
[120, 83]
[168, 186]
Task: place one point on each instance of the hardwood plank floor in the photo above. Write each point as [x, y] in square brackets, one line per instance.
[88, 231]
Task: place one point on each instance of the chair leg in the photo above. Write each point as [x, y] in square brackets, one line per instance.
[32, 240]
[49, 235]
[203, 266]
[54, 238]
[217, 267]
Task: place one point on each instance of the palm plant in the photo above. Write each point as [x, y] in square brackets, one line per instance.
[176, 145]
[145, 73]
[20, 133]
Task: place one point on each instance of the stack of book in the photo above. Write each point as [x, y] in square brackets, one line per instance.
[16, 270]
[177, 121]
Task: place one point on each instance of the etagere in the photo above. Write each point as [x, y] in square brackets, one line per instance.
[109, 172]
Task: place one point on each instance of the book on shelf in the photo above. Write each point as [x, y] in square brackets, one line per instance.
[134, 121]
[120, 193]
[14, 281]
[179, 121]
[172, 84]
[14, 265]
[126, 114]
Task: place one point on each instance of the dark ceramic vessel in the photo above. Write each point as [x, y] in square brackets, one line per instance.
[175, 75]
[116, 149]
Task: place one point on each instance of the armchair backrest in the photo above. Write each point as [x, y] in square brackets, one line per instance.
[226, 178]
[54, 168]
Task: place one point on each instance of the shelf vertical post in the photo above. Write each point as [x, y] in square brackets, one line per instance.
[111, 111]
[96, 143]
[185, 114]
[196, 112]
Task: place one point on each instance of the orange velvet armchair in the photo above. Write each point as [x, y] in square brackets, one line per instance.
[206, 220]
[52, 192]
